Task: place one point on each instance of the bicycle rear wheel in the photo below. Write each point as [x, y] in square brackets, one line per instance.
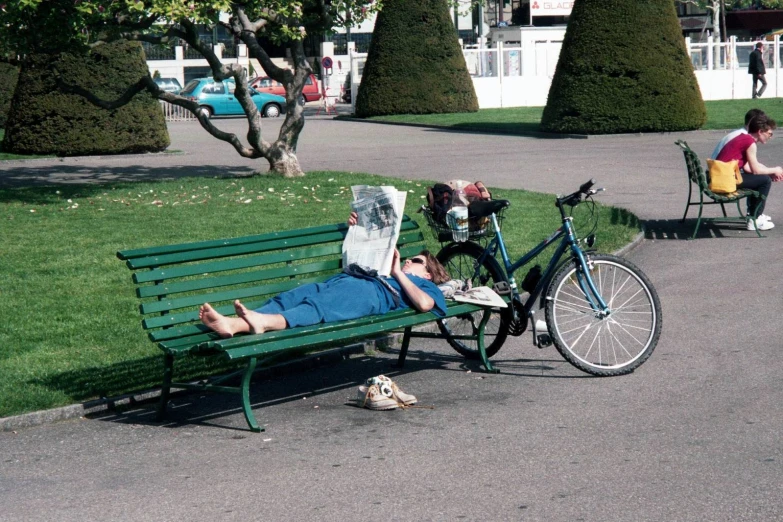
[461, 262]
[604, 345]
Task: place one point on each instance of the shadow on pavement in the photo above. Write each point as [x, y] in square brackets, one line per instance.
[48, 175]
[666, 229]
[276, 386]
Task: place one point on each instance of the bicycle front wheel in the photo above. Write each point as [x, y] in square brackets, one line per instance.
[604, 344]
[461, 262]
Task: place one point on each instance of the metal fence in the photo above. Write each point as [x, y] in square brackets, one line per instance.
[159, 52]
[711, 55]
[176, 113]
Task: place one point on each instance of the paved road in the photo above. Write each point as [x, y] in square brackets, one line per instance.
[694, 434]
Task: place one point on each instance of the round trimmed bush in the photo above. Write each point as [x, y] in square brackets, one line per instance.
[623, 67]
[415, 64]
[44, 120]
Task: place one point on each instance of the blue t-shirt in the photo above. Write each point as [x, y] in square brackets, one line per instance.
[427, 286]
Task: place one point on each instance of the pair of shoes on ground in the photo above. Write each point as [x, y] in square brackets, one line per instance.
[381, 393]
[763, 222]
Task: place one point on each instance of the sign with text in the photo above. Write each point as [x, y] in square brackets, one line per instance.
[550, 8]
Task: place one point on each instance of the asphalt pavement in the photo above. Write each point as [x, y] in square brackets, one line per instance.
[693, 434]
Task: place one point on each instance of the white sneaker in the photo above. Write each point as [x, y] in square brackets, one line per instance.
[762, 217]
[760, 225]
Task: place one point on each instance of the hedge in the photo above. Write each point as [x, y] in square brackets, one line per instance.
[623, 67]
[44, 120]
[415, 64]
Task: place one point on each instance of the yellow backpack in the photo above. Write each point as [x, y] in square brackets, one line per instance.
[724, 176]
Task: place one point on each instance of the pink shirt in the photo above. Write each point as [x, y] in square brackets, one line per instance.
[736, 149]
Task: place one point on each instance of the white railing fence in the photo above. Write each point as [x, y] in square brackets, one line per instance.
[176, 113]
[520, 75]
[524, 74]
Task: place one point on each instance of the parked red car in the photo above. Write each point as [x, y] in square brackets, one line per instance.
[311, 91]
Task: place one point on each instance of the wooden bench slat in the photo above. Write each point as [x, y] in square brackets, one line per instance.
[253, 248]
[241, 246]
[407, 224]
[206, 245]
[170, 288]
[212, 267]
[235, 279]
[233, 250]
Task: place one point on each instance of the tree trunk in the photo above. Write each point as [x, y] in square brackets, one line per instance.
[716, 33]
[284, 162]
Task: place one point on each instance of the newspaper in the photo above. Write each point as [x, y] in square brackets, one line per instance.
[480, 295]
[372, 241]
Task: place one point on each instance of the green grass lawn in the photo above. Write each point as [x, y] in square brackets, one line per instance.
[71, 329]
[721, 114]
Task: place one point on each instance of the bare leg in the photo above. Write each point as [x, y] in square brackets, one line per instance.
[224, 326]
[260, 323]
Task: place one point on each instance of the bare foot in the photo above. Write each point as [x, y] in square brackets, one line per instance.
[224, 326]
[254, 319]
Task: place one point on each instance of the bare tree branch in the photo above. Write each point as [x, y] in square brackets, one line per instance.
[258, 150]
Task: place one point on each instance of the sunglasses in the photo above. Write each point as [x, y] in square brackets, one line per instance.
[418, 261]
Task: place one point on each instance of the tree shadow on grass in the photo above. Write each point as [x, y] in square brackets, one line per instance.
[86, 178]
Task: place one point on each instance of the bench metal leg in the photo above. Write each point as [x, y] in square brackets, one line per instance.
[688, 204]
[406, 340]
[248, 411]
[165, 389]
[698, 218]
[482, 351]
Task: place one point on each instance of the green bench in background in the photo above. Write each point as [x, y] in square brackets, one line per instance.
[173, 281]
[697, 177]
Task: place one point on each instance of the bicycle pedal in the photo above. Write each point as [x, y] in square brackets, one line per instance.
[544, 340]
[502, 288]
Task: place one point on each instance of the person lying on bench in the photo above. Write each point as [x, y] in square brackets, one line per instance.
[345, 296]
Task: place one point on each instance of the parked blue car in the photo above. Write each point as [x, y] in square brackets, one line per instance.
[217, 98]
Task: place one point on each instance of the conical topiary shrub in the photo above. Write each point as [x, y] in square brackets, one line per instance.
[623, 67]
[415, 64]
[44, 120]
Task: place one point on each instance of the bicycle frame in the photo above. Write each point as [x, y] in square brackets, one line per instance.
[568, 241]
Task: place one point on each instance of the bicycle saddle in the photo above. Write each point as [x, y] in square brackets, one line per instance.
[479, 209]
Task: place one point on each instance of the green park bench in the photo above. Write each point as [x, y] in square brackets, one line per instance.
[173, 281]
[697, 177]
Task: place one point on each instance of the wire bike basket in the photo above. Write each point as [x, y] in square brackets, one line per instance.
[478, 228]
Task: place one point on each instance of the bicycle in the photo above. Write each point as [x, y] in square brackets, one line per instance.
[602, 313]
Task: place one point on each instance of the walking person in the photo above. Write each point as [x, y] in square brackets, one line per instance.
[757, 69]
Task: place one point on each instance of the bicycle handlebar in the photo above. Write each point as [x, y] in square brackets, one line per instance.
[586, 186]
[576, 198]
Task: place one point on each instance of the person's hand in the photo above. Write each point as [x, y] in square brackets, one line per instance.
[353, 219]
[396, 268]
[778, 174]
